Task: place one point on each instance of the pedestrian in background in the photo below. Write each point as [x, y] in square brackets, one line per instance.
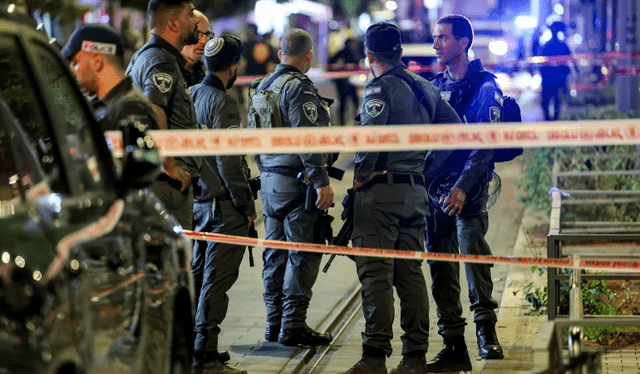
[158, 69]
[347, 59]
[459, 190]
[223, 204]
[193, 53]
[289, 275]
[390, 206]
[554, 74]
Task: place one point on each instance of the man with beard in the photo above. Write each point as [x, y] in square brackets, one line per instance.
[193, 53]
[223, 204]
[158, 70]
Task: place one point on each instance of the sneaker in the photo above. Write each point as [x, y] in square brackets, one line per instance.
[411, 365]
[271, 333]
[488, 345]
[215, 367]
[368, 365]
[453, 357]
[303, 336]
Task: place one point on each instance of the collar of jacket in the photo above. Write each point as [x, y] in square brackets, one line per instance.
[158, 41]
[212, 80]
[119, 90]
[284, 68]
[473, 69]
[391, 68]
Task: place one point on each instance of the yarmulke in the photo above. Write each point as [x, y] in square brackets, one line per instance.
[223, 51]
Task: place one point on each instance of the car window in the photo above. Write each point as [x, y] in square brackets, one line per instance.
[85, 173]
[17, 90]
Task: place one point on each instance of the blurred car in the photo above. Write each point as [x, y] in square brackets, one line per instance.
[94, 274]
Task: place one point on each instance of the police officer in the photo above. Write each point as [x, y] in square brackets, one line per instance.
[289, 275]
[193, 53]
[95, 53]
[459, 192]
[223, 204]
[390, 205]
[158, 70]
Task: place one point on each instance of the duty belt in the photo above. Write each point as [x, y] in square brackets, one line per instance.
[393, 178]
[282, 170]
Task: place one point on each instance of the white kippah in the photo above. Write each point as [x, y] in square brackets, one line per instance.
[213, 47]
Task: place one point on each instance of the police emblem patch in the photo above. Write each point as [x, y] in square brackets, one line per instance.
[163, 81]
[310, 110]
[374, 107]
[494, 114]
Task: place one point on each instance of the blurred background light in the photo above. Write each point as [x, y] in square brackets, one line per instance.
[498, 47]
[526, 22]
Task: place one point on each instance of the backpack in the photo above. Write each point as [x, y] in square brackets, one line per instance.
[264, 105]
[510, 113]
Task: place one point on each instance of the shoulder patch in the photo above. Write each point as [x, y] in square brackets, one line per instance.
[310, 110]
[374, 107]
[446, 95]
[372, 91]
[163, 82]
[499, 98]
[494, 114]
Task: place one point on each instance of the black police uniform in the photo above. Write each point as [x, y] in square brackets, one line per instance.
[390, 209]
[124, 102]
[223, 201]
[158, 70]
[477, 99]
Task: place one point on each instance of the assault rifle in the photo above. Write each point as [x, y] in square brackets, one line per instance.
[344, 235]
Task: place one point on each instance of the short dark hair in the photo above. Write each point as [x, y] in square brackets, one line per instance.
[296, 42]
[157, 6]
[460, 27]
[387, 57]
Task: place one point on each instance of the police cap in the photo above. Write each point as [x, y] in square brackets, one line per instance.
[219, 53]
[383, 37]
[95, 38]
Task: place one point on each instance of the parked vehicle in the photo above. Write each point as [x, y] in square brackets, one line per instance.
[94, 274]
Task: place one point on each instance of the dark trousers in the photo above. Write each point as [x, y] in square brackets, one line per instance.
[346, 92]
[391, 216]
[452, 234]
[215, 268]
[552, 92]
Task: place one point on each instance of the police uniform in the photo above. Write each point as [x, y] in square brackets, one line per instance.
[158, 70]
[476, 98]
[223, 201]
[389, 209]
[289, 275]
[123, 102]
[196, 75]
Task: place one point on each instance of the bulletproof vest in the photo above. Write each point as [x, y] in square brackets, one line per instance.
[264, 106]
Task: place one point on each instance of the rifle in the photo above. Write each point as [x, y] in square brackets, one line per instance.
[344, 235]
[253, 233]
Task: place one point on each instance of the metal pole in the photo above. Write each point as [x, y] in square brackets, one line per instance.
[627, 94]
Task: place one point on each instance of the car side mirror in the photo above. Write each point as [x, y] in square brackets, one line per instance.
[141, 160]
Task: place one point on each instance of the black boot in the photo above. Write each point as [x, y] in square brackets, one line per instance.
[453, 357]
[271, 333]
[368, 365]
[411, 364]
[304, 336]
[488, 345]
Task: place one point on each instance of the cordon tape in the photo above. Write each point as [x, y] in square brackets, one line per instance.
[592, 264]
[388, 138]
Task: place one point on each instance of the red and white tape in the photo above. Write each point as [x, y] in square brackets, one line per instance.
[593, 264]
[389, 138]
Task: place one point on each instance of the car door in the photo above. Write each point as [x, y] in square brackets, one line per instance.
[88, 230]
